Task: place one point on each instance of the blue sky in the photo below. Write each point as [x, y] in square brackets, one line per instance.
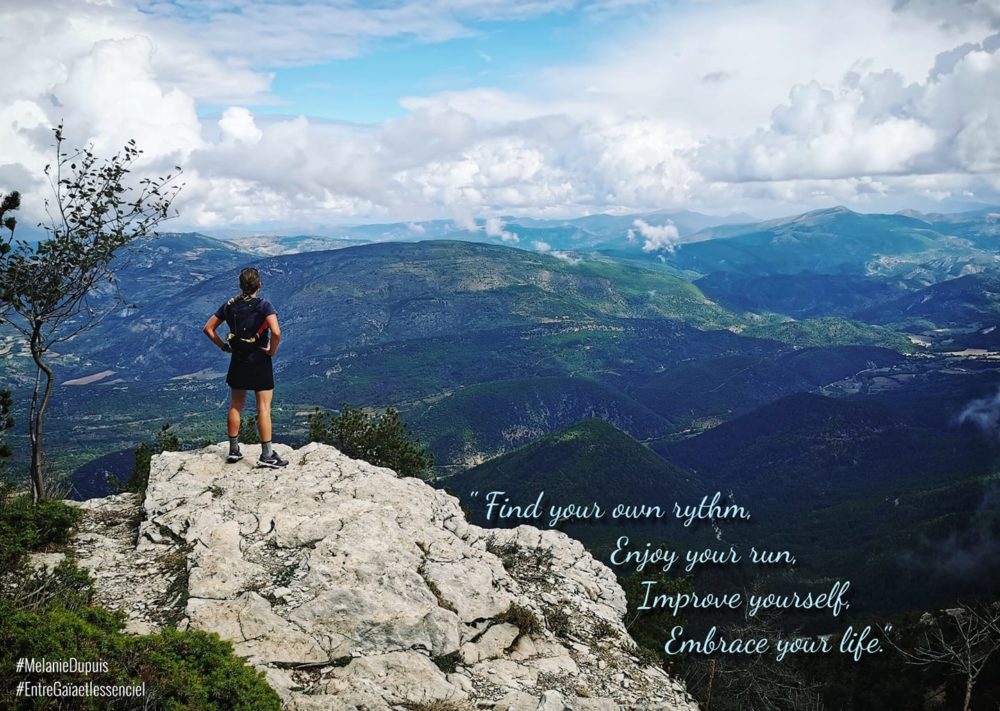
[294, 114]
[367, 88]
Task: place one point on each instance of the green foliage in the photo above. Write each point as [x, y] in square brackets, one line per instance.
[952, 303]
[507, 552]
[588, 462]
[51, 615]
[24, 527]
[182, 670]
[9, 203]
[643, 292]
[836, 241]
[198, 670]
[832, 331]
[437, 705]
[650, 628]
[166, 441]
[478, 417]
[44, 285]
[705, 390]
[248, 430]
[523, 618]
[891, 473]
[383, 440]
[6, 421]
[558, 621]
[35, 588]
[802, 295]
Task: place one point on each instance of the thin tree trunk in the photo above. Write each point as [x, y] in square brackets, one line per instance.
[36, 417]
[711, 683]
[968, 692]
[32, 437]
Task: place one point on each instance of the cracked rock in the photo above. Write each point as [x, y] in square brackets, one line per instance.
[350, 587]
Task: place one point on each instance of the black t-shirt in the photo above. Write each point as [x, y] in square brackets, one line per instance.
[261, 310]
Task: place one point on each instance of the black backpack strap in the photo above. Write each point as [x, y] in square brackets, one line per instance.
[227, 311]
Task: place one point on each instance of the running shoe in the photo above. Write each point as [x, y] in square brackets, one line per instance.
[234, 456]
[273, 461]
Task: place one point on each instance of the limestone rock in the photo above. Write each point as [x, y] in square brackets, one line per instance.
[398, 677]
[353, 588]
[491, 644]
[255, 630]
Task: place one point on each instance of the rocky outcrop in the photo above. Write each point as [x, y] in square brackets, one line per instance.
[353, 588]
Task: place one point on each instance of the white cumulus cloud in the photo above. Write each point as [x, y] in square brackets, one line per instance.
[876, 124]
[656, 237]
[237, 124]
[738, 111]
[495, 228]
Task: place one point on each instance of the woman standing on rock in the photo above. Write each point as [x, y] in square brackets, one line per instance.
[253, 340]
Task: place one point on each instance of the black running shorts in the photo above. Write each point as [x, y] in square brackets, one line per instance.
[250, 372]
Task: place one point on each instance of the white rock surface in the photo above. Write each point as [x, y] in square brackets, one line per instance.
[353, 588]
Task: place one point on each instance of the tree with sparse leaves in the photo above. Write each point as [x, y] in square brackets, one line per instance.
[47, 288]
[383, 440]
[962, 639]
[8, 204]
[734, 682]
[6, 421]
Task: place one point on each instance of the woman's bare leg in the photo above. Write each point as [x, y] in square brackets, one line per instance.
[264, 414]
[235, 407]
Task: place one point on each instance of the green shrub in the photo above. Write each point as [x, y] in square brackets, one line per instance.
[182, 670]
[51, 615]
[508, 552]
[33, 589]
[6, 421]
[649, 657]
[24, 527]
[603, 629]
[558, 621]
[166, 441]
[523, 618]
[438, 705]
[383, 440]
[197, 670]
[649, 628]
[248, 430]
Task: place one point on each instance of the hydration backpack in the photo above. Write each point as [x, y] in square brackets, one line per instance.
[240, 316]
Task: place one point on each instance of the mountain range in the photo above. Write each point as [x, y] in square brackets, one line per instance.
[822, 366]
